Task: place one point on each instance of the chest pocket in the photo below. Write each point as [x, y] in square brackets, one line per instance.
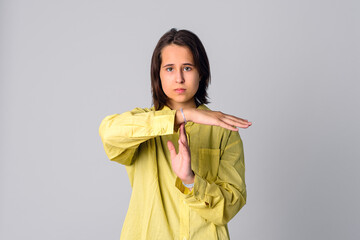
[208, 164]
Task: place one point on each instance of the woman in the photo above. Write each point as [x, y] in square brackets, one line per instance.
[185, 162]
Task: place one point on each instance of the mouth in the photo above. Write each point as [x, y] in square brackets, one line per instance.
[180, 90]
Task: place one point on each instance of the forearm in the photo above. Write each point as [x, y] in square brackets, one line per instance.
[121, 134]
[136, 124]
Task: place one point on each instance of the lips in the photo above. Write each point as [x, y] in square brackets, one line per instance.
[180, 90]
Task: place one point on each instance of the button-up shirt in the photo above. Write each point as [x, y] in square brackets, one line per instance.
[161, 207]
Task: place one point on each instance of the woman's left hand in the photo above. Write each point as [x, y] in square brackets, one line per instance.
[181, 162]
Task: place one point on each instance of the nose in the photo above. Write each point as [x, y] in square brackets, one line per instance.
[180, 77]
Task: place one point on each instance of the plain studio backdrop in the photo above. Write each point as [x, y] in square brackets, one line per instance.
[291, 67]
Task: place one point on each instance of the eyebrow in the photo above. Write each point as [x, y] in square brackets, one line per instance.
[171, 64]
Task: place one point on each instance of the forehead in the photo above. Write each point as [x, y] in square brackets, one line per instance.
[176, 54]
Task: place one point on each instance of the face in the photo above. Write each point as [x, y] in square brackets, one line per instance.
[179, 76]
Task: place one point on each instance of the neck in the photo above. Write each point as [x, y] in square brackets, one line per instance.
[177, 106]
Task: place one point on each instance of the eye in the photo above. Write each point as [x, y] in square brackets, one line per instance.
[169, 69]
[186, 69]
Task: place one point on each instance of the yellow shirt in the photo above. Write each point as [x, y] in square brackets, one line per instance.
[160, 206]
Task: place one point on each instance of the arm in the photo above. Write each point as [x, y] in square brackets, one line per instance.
[122, 134]
[221, 200]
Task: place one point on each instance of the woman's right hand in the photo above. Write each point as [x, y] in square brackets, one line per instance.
[214, 118]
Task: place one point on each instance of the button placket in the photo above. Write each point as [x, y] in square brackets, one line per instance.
[184, 219]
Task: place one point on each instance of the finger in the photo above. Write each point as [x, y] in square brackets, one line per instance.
[236, 120]
[239, 120]
[234, 123]
[182, 136]
[183, 148]
[227, 126]
[172, 150]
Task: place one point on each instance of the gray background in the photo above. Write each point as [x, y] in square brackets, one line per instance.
[291, 67]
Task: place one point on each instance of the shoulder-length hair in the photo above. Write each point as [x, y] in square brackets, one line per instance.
[187, 39]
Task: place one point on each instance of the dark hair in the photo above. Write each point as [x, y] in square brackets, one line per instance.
[187, 39]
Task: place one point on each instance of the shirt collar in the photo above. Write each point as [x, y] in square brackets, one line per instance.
[202, 106]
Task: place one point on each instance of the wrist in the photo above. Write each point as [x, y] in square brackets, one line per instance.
[183, 115]
[189, 183]
[188, 114]
[189, 186]
[190, 179]
[180, 118]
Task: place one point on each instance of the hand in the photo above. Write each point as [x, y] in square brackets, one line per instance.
[215, 118]
[181, 162]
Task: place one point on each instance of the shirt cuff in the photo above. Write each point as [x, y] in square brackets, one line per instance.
[198, 191]
[163, 123]
[184, 190]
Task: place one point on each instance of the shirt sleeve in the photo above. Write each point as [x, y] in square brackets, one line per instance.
[122, 134]
[221, 200]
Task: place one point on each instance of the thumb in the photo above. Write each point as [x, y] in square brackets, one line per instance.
[172, 150]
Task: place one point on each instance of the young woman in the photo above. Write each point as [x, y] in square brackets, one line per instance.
[185, 162]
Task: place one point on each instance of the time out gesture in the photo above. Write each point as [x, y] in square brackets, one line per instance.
[181, 161]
